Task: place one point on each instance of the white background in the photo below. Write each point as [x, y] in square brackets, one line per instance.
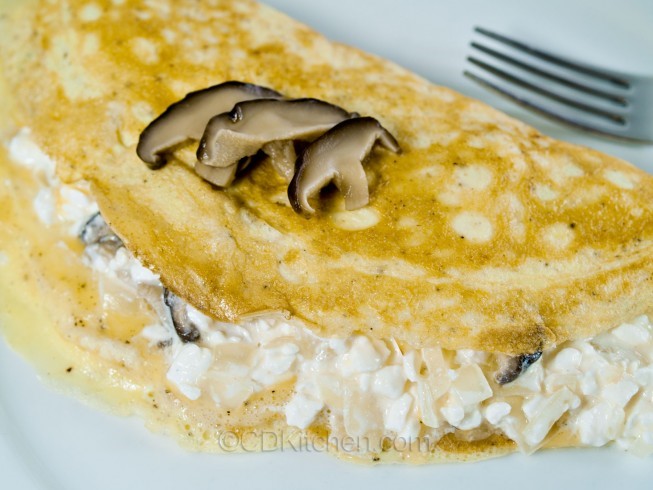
[51, 441]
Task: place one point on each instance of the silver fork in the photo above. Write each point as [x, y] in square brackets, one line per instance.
[590, 98]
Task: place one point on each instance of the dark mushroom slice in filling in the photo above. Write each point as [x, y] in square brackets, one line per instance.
[251, 126]
[186, 120]
[511, 367]
[96, 231]
[337, 156]
[186, 330]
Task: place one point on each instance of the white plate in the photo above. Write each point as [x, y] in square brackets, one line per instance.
[51, 441]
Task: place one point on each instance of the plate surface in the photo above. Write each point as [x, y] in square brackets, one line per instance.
[51, 441]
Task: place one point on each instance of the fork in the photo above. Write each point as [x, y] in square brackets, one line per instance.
[604, 102]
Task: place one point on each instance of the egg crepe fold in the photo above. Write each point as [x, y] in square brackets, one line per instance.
[482, 234]
[489, 236]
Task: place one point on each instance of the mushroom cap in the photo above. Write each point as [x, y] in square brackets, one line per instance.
[337, 157]
[253, 124]
[186, 119]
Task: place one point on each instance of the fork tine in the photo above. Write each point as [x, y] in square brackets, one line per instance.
[547, 113]
[617, 99]
[616, 118]
[551, 58]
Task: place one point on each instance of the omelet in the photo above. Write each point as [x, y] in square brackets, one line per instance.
[485, 247]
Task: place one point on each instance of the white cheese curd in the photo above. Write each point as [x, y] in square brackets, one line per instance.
[542, 411]
[24, 151]
[496, 411]
[397, 413]
[188, 367]
[362, 357]
[302, 409]
[70, 205]
[45, 206]
[602, 388]
[371, 386]
[389, 381]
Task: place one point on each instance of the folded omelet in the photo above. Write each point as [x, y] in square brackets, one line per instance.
[491, 295]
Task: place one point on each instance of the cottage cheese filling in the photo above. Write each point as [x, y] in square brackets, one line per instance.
[601, 388]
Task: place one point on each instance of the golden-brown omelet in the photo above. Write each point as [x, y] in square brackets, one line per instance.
[483, 234]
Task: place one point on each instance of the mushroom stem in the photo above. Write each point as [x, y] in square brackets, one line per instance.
[282, 156]
[220, 176]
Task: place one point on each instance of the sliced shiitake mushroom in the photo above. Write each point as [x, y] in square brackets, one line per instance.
[281, 155]
[337, 157]
[186, 330]
[96, 231]
[511, 367]
[253, 125]
[187, 119]
[221, 176]
[262, 122]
